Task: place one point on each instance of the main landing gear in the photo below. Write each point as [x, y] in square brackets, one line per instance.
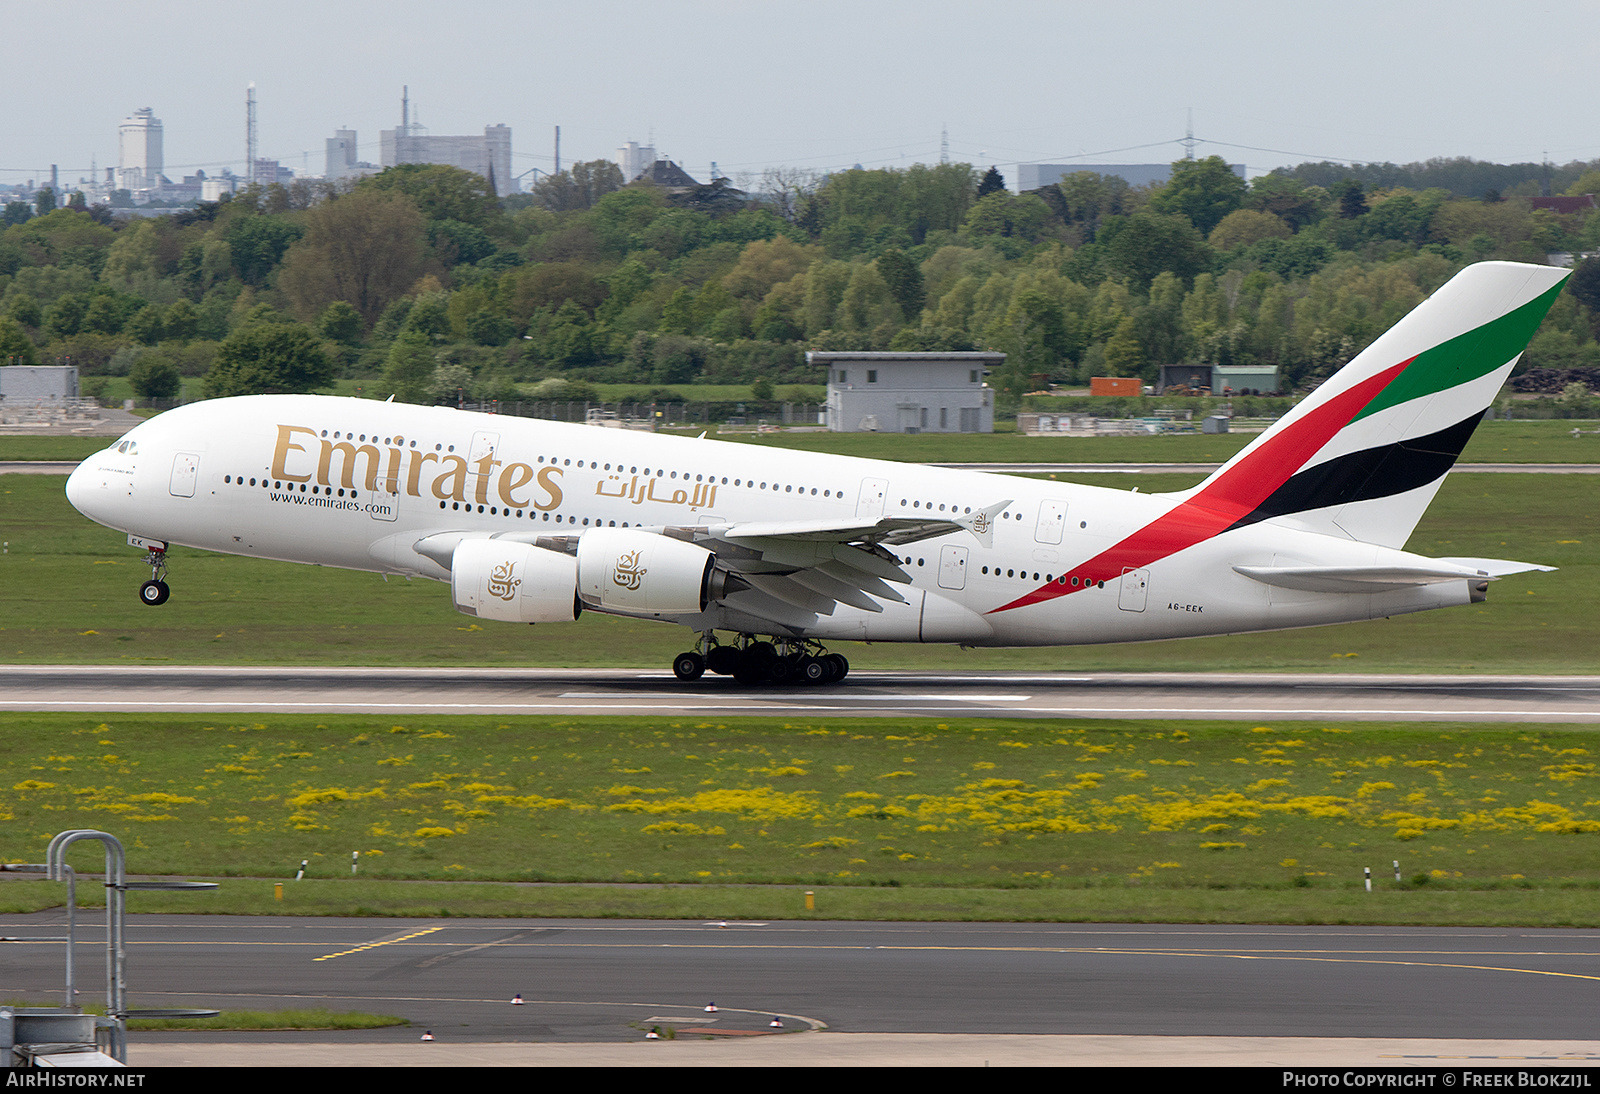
[155, 591]
[751, 662]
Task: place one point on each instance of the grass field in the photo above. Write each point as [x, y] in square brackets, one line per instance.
[1494, 442]
[68, 596]
[1079, 814]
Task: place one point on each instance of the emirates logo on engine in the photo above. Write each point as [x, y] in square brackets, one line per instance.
[626, 573]
[503, 581]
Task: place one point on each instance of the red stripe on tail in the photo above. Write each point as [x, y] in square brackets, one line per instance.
[1232, 494]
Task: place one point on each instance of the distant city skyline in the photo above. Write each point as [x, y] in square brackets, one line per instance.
[752, 85]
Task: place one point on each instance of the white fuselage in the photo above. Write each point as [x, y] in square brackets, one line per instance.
[356, 484]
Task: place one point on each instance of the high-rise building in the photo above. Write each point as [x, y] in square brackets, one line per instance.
[341, 157]
[635, 159]
[488, 155]
[341, 153]
[139, 162]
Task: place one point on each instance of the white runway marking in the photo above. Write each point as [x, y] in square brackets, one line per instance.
[748, 695]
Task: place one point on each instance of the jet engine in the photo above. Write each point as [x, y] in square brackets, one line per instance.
[514, 582]
[627, 570]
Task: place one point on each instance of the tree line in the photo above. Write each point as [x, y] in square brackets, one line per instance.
[418, 282]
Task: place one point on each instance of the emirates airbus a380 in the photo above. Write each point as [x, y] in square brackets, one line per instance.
[535, 522]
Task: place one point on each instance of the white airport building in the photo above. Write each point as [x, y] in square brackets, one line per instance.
[909, 392]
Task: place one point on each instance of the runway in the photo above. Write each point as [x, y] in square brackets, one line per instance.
[608, 981]
[566, 692]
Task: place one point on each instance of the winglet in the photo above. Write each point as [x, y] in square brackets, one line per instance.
[981, 523]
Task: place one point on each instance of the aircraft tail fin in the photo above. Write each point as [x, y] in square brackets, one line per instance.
[1364, 454]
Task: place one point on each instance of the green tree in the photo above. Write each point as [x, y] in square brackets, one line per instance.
[340, 322]
[456, 242]
[677, 317]
[993, 182]
[269, 358]
[1003, 215]
[904, 279]
[430, 317]
[1585, 286]
[16, 348]
[181, 322]
[1352, 202]
[365, 248]
[65, 316]
[1143, 245]
[153, 376]
[44, 201]
[489, 328]
[409, 371]
[257, 244]
[17, 212]
[582, 187]
[1244, 227]
[1205, 191]
[440, 192]
[105, 315]
[1124, 355]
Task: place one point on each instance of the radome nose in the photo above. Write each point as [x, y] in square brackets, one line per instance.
[79, 487]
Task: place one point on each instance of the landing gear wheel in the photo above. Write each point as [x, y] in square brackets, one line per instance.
[723, 660]
[841, 667]
[154, 592]
[688, 666]
[751, 669]
[812, 671]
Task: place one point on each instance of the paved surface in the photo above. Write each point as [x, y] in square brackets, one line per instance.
[904, 1050]
[609, 981]
[896, 694]
[885, 993]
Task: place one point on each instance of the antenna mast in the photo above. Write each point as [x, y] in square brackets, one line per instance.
[944, 144]
[1188, 141]
[250, 134]
[558, 150]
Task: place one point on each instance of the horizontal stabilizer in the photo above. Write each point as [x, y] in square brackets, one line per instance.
[1499, 567]
[1358, 579]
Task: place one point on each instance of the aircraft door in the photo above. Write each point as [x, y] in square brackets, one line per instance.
[1131, 594]
[483, 444]
[1052, 522]
[384, 504]
[952, 567]
[185, 470]
[870, 502]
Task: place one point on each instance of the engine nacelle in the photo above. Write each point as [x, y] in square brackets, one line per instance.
[640, 572]
[514, 582]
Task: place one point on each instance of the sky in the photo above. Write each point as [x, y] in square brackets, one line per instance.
[819, 84]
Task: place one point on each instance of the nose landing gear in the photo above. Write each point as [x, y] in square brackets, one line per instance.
[155, 591]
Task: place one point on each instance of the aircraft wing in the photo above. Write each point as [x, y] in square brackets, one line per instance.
[782, 573]
[794, 571]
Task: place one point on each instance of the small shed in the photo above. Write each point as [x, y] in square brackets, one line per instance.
[1226, 379]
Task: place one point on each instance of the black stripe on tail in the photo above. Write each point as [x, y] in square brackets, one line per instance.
[1373, 473]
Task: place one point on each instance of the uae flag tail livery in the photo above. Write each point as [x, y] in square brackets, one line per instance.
[1360, 459]
[1365, 453]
